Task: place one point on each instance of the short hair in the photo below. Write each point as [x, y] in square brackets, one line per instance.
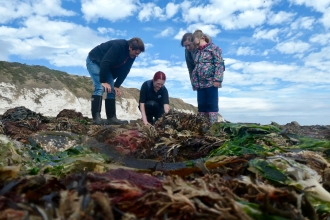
[136, 44]
[186, 36]
[159, 75]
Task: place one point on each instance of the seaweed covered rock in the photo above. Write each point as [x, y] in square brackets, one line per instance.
[19, 123]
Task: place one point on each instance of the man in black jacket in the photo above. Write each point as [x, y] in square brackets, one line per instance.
[105, 63]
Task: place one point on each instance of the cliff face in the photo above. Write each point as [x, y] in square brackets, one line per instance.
[49, 91]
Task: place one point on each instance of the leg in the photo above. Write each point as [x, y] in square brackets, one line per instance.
[96, 101]
[159, 112]
[110, 108]
[94, 72]
[110, 104]
[212, 104]
[152, 109]
[202, 102]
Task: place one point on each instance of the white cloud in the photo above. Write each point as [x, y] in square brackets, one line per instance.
[14, 9]
[267, 34]
[292, 47]
[241, 14]
[318, 5]
[303, 23]
[111, 10]
[151, 10]
[322, 39]
[165, 33]
[280, 17]
[209, 29]
[55, 41]
[326, 18]
[245, 51]
[104, 30]
[171, 9]
[179, 35]
[320, 60]
[50, 8]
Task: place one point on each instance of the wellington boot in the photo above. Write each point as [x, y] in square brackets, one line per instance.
[96, 104]
[110, 108]
[115, 121]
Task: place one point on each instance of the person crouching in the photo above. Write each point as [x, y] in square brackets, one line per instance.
[154, 100]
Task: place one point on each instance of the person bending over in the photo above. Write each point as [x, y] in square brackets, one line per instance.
[105, 63]
[190, 50]
[154, 101]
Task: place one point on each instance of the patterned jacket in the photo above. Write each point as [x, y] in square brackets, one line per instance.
[209, 67]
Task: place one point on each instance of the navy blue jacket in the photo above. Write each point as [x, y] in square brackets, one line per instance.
[112, 56]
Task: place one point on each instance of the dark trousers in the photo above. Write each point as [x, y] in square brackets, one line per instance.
[153, 109]
[208, 99]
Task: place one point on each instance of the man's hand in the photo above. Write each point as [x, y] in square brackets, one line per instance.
[118, 92]
[107, 87]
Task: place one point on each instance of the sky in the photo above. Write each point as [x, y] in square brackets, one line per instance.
[277, 53]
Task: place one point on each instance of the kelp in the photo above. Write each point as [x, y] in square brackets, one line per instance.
[285, 171]
[230, 171]
[247, 139]
[241, 129]
[312, 144]
[34, 160]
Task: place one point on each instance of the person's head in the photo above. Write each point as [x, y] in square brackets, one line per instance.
[198, 38]
[186, 42]
[159, 80]
[208, 39]
[135, 46]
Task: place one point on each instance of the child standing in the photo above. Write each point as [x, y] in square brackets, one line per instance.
[207, 76]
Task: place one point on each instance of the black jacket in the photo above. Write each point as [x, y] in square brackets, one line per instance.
[148, 93]
[112, 56]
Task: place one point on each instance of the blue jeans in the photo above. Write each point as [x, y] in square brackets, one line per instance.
[94, 72]
[208, 99]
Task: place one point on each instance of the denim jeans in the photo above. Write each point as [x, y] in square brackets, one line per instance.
[208, 99]
[94, 72]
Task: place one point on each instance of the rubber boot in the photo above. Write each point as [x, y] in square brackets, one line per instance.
[110, 108]
[204, 114]
[96, 110]
[213, 117]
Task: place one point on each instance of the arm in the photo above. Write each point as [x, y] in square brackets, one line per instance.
[166, 100]
[219, 68]
[166, 108]
[142, 101]
[124, 71]
[143, 113]
[109, 59]
[189, 61]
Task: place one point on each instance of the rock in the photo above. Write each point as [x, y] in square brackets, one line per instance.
[295, 123]
[53, 141]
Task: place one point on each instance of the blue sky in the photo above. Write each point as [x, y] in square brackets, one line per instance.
[277, 53]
